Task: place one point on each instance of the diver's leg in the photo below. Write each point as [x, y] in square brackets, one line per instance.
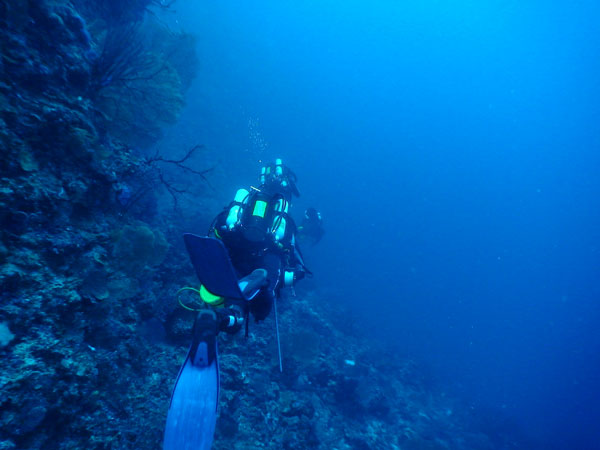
[231, 318]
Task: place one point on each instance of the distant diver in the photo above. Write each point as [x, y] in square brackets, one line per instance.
[249, 255]
[311, 229]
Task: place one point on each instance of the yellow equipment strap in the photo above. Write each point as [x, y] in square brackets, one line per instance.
[197, 291]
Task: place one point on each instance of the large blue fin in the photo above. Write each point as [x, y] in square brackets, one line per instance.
[192, 413]
[193, 410]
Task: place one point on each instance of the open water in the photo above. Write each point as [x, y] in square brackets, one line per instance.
[453, 148]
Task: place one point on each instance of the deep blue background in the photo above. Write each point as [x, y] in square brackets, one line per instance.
[454, 150]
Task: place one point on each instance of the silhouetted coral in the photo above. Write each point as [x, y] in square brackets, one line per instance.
[136, 79]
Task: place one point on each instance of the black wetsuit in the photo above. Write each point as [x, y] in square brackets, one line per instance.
[246, 256]
[244, 263]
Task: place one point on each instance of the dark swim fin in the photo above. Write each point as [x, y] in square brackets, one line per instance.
[213, 267]
[193, 410]
[214, 270]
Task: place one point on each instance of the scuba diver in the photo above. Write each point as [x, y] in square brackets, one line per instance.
[311, 229]
[260, 237]
[250, 253]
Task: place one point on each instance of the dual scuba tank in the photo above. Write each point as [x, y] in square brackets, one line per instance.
[274, 175]
[261, 215]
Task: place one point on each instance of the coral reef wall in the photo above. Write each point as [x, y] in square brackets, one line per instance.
[91, 337]
[79, 231]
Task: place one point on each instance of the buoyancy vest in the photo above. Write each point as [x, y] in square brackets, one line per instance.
[261, 218]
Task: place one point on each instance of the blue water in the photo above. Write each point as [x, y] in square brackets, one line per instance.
[454, 151]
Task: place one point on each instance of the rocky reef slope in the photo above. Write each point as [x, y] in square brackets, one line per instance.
[338, 390]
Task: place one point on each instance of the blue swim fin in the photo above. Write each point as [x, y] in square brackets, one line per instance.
[193, 410]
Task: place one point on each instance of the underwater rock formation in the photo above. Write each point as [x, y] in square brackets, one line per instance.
[138, 246]
[75, 276]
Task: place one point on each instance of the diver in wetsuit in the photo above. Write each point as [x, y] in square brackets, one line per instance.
[260, 237]
[311, 229]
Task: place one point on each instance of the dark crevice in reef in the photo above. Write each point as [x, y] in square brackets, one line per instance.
[90, 334]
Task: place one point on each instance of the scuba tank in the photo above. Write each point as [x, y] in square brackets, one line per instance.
[233, 217]
[288, 278]
[278, 178]
[263, 172]
[264, 218]
[261, 216]
[279, 224]
[279, 173]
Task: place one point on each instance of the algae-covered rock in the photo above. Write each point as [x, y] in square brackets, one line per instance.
[5, 335]
[138, 246]
[15, 222]
[122, 288]
[79, 140]
[27, 161]
[303, 345]
[77, 190]
[10, 277]
[31, 416]
[3, 253]
[179, 325]
[95, 284]
[7, 445]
